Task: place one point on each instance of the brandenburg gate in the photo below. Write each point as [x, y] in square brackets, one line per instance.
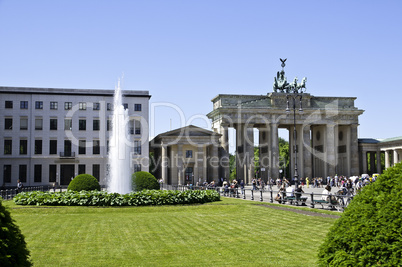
[325, 138]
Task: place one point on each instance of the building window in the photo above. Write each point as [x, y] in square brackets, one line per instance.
[137, 167]
[8, 146]
[82, 125]
[68, 105]
[108, 124]
[137, 147]
[82, 106]
[7, 173]
[22, 173]
[109, 106]
[67, 149]
[68, 124]
[38, 147]
[96, 147]
[82, 147]
[23, 104]
[96, 125]
[137, 127]
[189, 153]
[23, 123]
[52, 173]
[125, 105]
[8, 124]
[37, 173]
[81, 168]
[23, 147]
[9, 104]
[53, 105]
[39, 105]
[53, 147]
[38, 124]
[96, 106]
[53, 124]
[96, 171]
[137, 107]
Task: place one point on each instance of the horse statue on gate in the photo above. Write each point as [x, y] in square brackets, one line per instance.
[302, 85]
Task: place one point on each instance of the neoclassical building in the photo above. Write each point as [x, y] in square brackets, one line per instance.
[326, 131]
[371, 152]
[187, 155]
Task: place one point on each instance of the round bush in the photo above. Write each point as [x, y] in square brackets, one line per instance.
[144, 180]
[369, 232]
[84, 182]
[13, 249]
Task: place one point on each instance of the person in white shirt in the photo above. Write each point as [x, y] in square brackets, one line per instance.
[290, 191]
[326, 193]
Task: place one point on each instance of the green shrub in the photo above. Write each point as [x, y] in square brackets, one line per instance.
[103, 198]
[369, 232]
[84, 182]
[13, 249]
[144, 180]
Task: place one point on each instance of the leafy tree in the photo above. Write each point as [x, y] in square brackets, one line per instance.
[256, 160]
[284, 155]
[232, 166]
[13, 249]
[369, 232]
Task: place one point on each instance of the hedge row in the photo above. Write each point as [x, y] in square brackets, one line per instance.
[369, 232]
[102, 198]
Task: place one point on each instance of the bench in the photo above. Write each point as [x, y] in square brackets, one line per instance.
[294, 200]
[322, 202]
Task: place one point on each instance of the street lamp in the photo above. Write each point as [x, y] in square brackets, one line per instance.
[294, 92]
[294, 96]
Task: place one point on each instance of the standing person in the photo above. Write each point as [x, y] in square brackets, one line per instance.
[262, 184]
[19, 186]
[242, 186]
[278, 182]
[307, 182]
[254, 182]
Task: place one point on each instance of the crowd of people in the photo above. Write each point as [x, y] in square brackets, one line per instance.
[284, 184]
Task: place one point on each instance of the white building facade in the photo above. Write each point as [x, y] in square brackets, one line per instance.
[51, 135]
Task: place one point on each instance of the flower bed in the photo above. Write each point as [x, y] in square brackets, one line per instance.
[102, 198]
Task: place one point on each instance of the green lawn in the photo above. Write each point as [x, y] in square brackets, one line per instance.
[231, 232]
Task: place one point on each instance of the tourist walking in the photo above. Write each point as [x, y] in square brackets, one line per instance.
[19, 186]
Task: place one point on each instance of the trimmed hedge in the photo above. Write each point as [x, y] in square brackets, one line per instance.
[369, 231]
[13, 249]
[144, 181]
[102, 198]
[84, 182]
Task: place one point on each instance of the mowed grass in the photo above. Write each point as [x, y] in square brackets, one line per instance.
[231, 232]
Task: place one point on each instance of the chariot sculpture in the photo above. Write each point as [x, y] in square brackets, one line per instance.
[281, 84]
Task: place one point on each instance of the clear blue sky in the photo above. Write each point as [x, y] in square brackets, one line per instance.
[186, 52]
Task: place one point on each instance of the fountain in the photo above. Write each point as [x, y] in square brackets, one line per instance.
[119, 180]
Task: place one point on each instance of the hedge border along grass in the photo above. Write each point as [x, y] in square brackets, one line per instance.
[102, 198]
[369, 232]
[13, 248]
